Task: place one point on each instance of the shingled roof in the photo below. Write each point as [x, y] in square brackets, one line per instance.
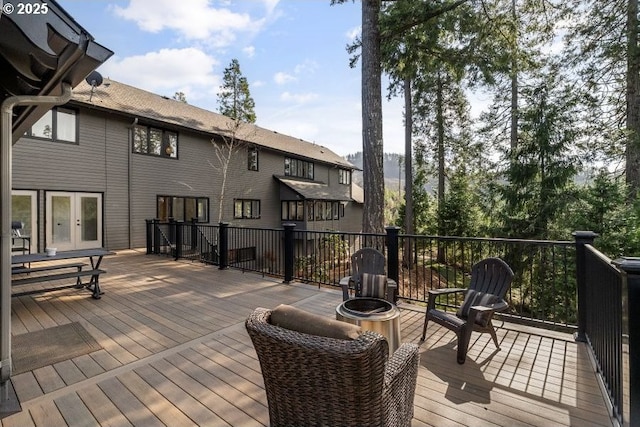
[128, 100]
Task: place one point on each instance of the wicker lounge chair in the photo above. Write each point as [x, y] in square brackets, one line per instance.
[368, 277]
[490, 281]
[316, 380]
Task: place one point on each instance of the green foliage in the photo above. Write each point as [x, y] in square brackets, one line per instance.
[459, 213]
[542, 166]
[234, 97]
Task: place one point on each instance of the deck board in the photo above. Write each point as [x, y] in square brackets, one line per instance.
[175, 352]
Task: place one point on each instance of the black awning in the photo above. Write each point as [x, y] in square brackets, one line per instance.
[39, 52]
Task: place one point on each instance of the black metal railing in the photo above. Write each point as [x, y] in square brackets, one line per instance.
[543, 291]
[558, 284]
[603, 322]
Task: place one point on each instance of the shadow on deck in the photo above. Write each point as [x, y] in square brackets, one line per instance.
[175, 352]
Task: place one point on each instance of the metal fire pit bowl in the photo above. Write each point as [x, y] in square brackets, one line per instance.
[373, 314]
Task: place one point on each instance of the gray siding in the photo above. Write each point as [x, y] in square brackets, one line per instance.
[103, 162]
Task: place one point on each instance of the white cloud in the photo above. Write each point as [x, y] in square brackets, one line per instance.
[283, 78]
[250, 51]
[298, 98]
[167, 71]
[307, 67]
[194, 19]
[353, 33]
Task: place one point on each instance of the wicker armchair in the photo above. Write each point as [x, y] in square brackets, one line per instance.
[314, 380]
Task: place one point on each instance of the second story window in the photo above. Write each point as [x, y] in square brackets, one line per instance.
[252, 159]
[58, 124]
[298, 168]
[154, 141]
[345, 176]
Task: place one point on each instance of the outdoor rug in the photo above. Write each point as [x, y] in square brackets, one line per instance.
[52, 345]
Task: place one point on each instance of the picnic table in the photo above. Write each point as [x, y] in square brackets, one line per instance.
[93, 255]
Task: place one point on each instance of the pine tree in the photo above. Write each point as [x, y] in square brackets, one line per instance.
[234, 98]
[235, 102]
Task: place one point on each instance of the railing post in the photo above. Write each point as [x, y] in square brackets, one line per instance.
[393, 255]
[156, 236]
[582, 238]
[179, 230]
[223, 240]
[149, 233]
[194, 234]
[289, 252]
[630, 321]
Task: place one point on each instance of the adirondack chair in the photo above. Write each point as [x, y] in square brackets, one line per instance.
[368, 278]
[490, 281]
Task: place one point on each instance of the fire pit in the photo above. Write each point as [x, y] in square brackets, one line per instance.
[373, 314]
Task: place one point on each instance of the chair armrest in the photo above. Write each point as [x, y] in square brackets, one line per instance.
[434, 293]
[496, 306]
[400, 376]
[344, 283]
[444, 291]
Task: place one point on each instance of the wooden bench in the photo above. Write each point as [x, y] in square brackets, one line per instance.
[78, 274]
[28, 270]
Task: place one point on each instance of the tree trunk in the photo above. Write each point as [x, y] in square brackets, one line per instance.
[372, 146]
[441, 169]
[633, 105]
[409, 222]
[514, 82]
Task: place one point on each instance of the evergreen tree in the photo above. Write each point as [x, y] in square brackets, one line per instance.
[235, 102]
[542, 165]
[603, 49]
[180, 96]
[234, 98]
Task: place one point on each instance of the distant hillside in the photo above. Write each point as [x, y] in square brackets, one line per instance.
[392, 169]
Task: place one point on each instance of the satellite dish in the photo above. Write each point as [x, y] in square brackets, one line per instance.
[94, 79]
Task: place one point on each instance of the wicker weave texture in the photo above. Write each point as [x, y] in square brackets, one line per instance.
[317, 381]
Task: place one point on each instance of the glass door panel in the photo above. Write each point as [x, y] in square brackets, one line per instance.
[23, 209]
[74, 220]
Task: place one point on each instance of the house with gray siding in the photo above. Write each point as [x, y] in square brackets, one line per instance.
[90, 172]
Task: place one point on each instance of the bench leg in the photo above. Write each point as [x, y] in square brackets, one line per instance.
[79, 284]
[96, 287]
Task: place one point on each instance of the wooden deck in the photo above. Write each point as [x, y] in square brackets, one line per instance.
[175, 353]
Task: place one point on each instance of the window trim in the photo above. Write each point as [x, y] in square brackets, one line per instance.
[344, 176]
[169, 199]
[253, 152]
[243, 204]
[292, 210]
[164, 144]
[54, 126]
[298, 168]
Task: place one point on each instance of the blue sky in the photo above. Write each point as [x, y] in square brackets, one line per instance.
[291, 51]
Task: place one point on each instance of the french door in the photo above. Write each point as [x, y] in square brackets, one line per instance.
[74, 220]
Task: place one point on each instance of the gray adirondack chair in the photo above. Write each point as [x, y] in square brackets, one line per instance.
[368, 263]
[490, 281]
